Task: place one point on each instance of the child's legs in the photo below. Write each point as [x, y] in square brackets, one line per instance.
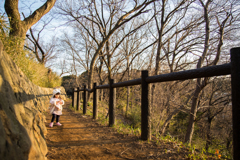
[53, 117]
[57, 119]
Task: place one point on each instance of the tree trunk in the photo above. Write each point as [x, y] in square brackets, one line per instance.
[101, 94]
[208, 141]
[128, 88]
[169, 119]
[152, 96]
[127, 106]
[190, 129]
[132, 99]
[91, 71]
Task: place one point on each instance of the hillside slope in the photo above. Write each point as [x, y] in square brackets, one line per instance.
[22, 128]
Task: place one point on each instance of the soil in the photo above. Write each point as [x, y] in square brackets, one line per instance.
[81, 137]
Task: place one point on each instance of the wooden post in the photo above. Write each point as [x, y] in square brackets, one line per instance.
[73, 105]
[78, 98]
[95, 101]
[145, 109]
[235, 82]
[84, 100]
[112, 103]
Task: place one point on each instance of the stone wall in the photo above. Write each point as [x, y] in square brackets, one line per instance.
[22, 107]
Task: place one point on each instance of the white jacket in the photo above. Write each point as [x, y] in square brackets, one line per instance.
[55, 107]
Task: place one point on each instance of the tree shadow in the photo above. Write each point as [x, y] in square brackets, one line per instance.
[87, 143]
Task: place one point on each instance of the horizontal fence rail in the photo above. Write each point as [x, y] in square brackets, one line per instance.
[103, 86]
[89, 90]
[219, 70]
[211, 71]
[127, 83]
[232, 69]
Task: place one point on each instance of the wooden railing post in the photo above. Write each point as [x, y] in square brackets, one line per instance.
[112, 103]
[73, 105]
[84, 100]
[145, 109]
[235, 82]
[95, 101]
[78, 98]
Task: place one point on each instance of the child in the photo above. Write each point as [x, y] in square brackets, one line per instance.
[56, 107]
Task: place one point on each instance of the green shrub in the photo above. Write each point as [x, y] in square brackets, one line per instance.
[135, 117]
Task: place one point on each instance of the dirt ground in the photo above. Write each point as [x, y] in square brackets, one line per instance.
[81, 137]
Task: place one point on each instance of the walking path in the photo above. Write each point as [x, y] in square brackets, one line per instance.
[81, 137]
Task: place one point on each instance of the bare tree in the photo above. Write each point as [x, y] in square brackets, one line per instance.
[201, 83]
[44, 52]
[101, 20]
[20, 27]
[175, 39]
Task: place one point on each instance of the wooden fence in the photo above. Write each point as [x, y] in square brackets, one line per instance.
[232, 68]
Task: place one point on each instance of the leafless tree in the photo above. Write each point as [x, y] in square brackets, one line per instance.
[175, 41]
[101, 19]
[20, 27]
[223, 19]
[44, 52]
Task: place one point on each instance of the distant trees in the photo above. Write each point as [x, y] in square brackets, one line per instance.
[216, 102]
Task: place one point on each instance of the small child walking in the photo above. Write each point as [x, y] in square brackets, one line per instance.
[56, 107]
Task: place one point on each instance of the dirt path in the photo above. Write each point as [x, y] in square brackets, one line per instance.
[81, 137]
